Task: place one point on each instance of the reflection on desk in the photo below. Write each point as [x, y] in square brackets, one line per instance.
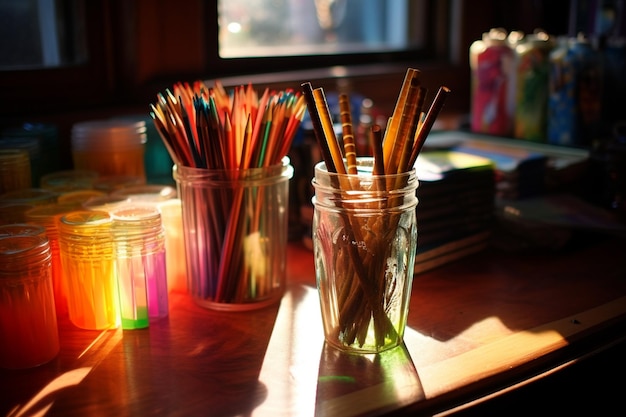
[476, 327]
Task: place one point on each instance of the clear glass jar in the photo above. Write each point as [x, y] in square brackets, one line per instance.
[139, 241]
[235, 226]
[172, 217]
[164, 197]
[28, 321]
[364, 241]
[110, 147]
[32, 148]
[15, 173]
[29, 196]
[48, 216]
[79, 197]
[88, 262]
[22, 229]
[68, 180]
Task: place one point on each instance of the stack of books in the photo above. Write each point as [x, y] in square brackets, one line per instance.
[523, 168]
[456, 206]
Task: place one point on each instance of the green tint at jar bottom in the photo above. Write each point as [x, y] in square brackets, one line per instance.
[364, 245]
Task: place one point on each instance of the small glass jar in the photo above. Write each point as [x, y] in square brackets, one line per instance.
[28, 321]
[22, 229]
[112, 183]
[29, 196]
[364, 241]
[15, 173]
[164, 197]
[106, 202]
[146, 193]
[48, 137]
[172, 218]
[69, 180]
[11, 213]
[79, 197]
[88, 261]
[139, 241]
[48, 216]
[32, 147]
[110, 147]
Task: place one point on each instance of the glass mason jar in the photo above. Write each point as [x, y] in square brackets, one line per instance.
[110, 147]
[364, 241]
[235, 227]
[22, 229]
[68, 180]
[28, 321]
[88, 260]
[139, 241]
[48, 216]
[15, 171]
[165, 198]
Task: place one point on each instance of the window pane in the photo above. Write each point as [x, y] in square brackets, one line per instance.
[262, 28]
[41, 33]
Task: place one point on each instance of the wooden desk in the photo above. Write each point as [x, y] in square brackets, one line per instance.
[476, 327]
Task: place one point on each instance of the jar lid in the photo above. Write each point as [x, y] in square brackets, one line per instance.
[69, 180]
[108, 135]
[22, 229]
[21, 251]
[147, 193]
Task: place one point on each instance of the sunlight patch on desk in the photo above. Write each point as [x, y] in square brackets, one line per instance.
[67, 379]
[293, 353]
[506, 353]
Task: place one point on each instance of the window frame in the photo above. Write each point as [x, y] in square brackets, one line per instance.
[124, 66]
[252, 65]
[49, 90]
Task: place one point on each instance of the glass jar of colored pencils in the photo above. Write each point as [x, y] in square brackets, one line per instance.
[364, 240]
[235, 231]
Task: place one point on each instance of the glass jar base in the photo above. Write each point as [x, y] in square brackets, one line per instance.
[252, 305]
[356, 350]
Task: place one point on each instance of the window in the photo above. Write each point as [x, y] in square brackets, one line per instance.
[264, 28]
[280, 35]
[41, 34]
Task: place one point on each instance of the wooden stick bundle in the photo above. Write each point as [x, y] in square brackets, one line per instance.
[363, 289]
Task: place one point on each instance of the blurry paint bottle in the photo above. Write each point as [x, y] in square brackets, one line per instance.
[88, 259]
[28, 321]
[493, 84]
[575, 100]
[531, 103]
[139, 241]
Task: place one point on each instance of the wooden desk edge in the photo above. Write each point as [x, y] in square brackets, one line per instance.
[518, 359]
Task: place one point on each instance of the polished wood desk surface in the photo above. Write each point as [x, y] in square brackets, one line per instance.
[476, 326]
